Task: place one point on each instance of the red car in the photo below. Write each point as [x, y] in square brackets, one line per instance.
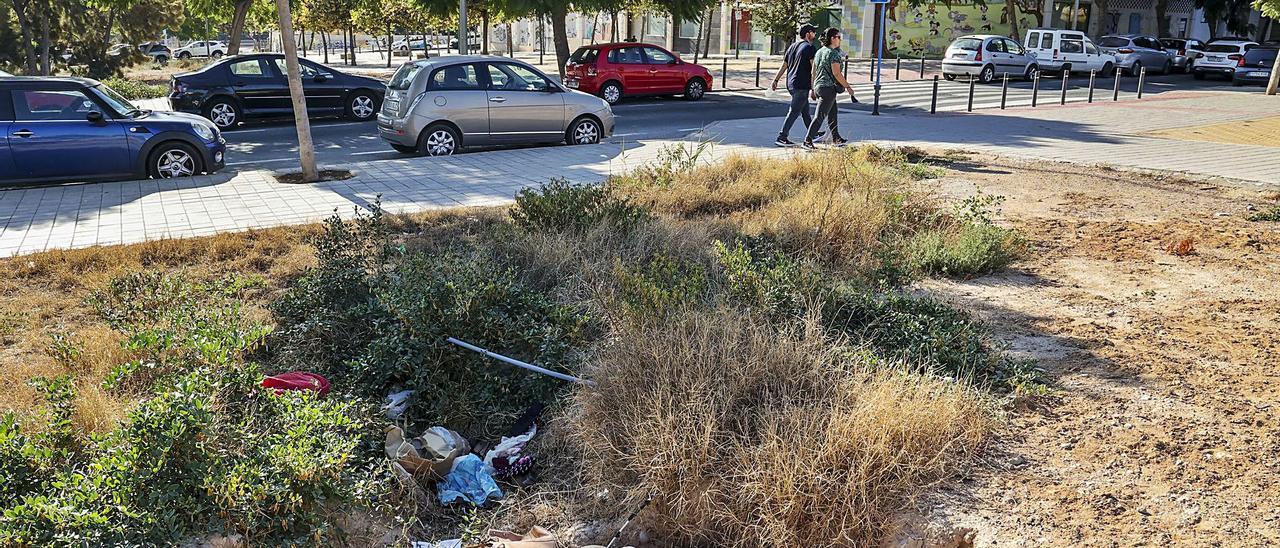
[613, 71]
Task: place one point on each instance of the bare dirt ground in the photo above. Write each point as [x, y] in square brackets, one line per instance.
[1163, 427]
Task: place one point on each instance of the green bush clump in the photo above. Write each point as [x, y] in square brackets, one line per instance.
[758, 277]
[1271, 214]
[134, 90]
[967, 243]
[560, 205]
[661, 285]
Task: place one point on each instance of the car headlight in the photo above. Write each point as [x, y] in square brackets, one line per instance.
[205, 132]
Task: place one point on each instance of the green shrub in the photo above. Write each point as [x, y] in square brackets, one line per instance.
[134, 90]
[1271, 214]
[967, 243]
[661, 285]
[765, 280]
[560, 205]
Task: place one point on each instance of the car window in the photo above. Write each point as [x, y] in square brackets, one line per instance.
[1072, 46]
[1046, 41]
[1090, 49]
[305, 71]
[454, 77]
[512, 77]
[249, 68]
[584, 56]
[1013, 47]
[1194, 44]
[1260, 56]
[1113, 42]
[968, 44]
[1033, 39]
[33, 105]
[1222, 48]
[403, 78]
[658, 57]
[626, 56]
[995, 45]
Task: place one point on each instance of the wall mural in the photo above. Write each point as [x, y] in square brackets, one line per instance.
[929, 27]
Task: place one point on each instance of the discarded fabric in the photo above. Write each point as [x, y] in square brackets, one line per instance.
[470, 480]
[397, 404]
[507, 458]
[297, 380]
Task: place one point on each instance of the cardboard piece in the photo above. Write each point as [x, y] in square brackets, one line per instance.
[430, 455]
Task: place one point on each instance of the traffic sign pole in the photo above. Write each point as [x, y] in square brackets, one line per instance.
[881, 5]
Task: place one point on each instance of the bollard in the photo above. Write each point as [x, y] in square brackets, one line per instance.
[1092, 75]
[875, 106]
[871, 72]
[757, 72]
[971, 84]
[922, 65]
[724, 73]
[1004, 90]
[897, 73]
[1142, 76]
[1066, 76]
[845, 69]
[1035, 89]
[1115, 93]
[933, 104]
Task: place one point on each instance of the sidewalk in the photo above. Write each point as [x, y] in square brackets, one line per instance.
[55, 217]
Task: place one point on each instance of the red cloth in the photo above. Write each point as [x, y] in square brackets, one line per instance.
[297, 380]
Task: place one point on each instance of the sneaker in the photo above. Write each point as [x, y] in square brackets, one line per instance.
[808, 145]
[838, 140]
[784, 142]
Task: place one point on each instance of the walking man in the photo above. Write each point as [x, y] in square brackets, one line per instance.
[797, 65]
[828, 83]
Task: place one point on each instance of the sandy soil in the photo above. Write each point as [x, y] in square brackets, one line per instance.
[1163, 428]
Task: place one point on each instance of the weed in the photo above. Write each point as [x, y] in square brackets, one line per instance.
[661, 285]
[560, 205]
[1270, 214]
[134, 90]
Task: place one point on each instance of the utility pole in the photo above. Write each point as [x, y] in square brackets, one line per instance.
[462, 27]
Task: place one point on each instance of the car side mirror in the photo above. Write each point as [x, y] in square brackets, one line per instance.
[322, 76]
[673, 62]
[95, 117]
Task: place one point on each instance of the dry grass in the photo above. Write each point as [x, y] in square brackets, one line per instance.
[838, 205]
[752, 435]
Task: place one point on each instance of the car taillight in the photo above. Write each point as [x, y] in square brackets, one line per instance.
[1124, 50]
[591, 70]
[179, 87]
[1182, 52]
[1239, 59]
[1199, 56]
[978, 57]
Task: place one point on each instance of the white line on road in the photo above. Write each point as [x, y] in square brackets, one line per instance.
[263, 161]
[276, 128]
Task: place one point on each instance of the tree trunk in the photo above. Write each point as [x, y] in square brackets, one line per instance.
[237, 25]
[306, 150]
[24, 24]
[560, 34]
[106, 35]
[1275, 77]
[324, 43]
[426, 46]
[511, 42]
[389, 44]
[1162, 18]
[45, 69]
[302, 36]
[484, 32]
[1011, 8]
[706, 43]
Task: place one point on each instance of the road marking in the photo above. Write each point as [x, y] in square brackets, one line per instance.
[371, 152]
[263, 161]
[262, 129]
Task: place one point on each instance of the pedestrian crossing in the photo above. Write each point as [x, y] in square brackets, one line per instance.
[953, 96]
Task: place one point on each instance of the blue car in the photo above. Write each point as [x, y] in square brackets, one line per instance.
[75, 129]
[1255, 67]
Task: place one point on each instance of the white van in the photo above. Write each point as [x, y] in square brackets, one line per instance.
[1057, 50]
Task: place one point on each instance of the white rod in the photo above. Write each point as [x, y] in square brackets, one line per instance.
[519, 363]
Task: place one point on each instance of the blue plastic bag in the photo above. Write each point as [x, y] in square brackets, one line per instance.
[470, 479]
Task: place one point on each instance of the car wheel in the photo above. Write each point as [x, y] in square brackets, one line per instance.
[1168, 68]
[1136, 68]
[162, 59]
[363, 105]
[439, 140]
[223, 113]
[585, 131]
[173, 159]
[987, 75]
[694, 89]
[216, 55]
[949, 77]
[184, 55]
[1032, 72]
[1108, 70]
[611, 92]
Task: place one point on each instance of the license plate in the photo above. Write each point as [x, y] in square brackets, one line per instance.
[959, 56]
[1215, 58]
[571, 83]
[1266, 74]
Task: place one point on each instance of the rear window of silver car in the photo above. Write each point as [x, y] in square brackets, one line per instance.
[1113, 42]
[968, 44]
[403, 78]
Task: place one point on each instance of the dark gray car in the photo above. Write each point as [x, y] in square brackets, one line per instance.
[1135, 51]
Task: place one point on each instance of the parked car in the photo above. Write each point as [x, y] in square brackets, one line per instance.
[1184, 51]
[4, 74]
[1221, 58]
[157, 51]
[254, 86]
[1134, 51]
[614, 71]
[987, 55]
[61, 129]
[438, 106]
[406, 44]
[1059, 50]
[211, 48]
[1256, 66]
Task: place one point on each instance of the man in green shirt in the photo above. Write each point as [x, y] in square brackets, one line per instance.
[828, 83]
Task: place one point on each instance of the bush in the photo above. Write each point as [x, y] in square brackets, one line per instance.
[134, 90]
[759, 436]
[560, 205]
[967, 243]
[1269, 214]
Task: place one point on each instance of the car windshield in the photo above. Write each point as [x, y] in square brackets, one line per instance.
[118, 103]
[403, 78]
[1113, 42]
[1223, 48]
[968, 44]
[1256, 56]
[584, 56]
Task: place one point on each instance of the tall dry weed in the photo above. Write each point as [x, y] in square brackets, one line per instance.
[754, 435]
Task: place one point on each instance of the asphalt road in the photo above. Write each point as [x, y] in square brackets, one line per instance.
[272, 145]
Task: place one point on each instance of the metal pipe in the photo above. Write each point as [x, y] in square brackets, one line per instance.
[1066, 76]
[1142, 76]
[921, 65]
[971, 84]
[757, 71]
[875, 106]
[1115, 93]
[1035, 89]
[724, 73]
[897, 74]
[933, 103]
[1093, 74]
[1004, 90]
[518, 363]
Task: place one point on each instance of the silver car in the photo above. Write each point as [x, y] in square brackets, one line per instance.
[1134, 51]
[437, 106]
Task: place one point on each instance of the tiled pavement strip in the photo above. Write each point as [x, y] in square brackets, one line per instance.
[36, 219]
